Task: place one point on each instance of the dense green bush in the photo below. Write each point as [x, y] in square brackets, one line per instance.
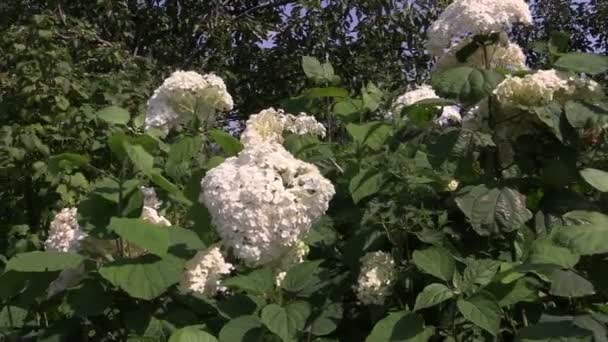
[488, 228]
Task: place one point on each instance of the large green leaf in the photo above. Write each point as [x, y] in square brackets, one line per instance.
[372, 96]
[334, 92]
[483, 310]
[145, 277]
[560, 331]
[466, 84]
[64, 161]
[479, 272]
[435, 261]
[492, 211]
[372, 134]
[286, 321]
[182, 241]
[229, 144]
[400, 326]
[545, 251]
[191, 334]
[151, 237]
[551, 116]
[596, 178]
[259, 281]
[432, 295]
[327, 321]
[114, 115]
[141, 159]
[582, 116]
[39, 261]
[587, 63]
[565, 283]
[366, 183]
[180, 157]
[318, 72]
[300, 276]
[242, 329]
[588, 236]
[512, 293]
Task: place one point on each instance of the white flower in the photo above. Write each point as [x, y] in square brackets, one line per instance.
[544, 87]
[268, 126]
[68, 278]
[449, 114]
[185, 93]
[452, 185]
[502, 55]
[464, 18]
[295, 256]
[64, 233]
[204, 272]
[376, 278]
[149, 211]
[264, 200]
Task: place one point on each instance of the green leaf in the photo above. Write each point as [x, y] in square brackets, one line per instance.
[565, 283]
[588, 236]
[514, 292]
[466, 84]
[229, 144]
[64, 161]
[169, 187]
[286, 321]
[432, 295]
[596, 178]
[80, 297]
[114, 115]
[38, 261]
[560, 331]
[479, 272]
[348, 110]
[327, 321]
[181, 239]
[372, 134]
[238, 305]
[582, 116]
[544, 251]
[242, 329]
[12, 316]
[317, 71]
[366, 183]
[482, 310]
[492, 211]
[149, 236]
[300, 276]
[587, 63]
[259, 281]
[191, 334]
[181, 153]
[400, 326]
[145, 277]
[141, 159]
[435, 261]
[372, 97]
[551, 115]
[333, 92]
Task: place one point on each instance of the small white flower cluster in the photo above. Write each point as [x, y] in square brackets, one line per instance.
[465, 18]
[502, 55]
[204, 272]
[149, 211]
[65, 234]
[452, 185]
[544, 87]
[376, 278]
[264, 200]
[268, 126]
[295, 256]
[184, 93]
[449, 114]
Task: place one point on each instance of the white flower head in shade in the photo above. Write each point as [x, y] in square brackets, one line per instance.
[464, 18]
[264, 200]
[501, 55]
[268, 126]
[205, 271]
[295, 256]
[544, 87]
[149, 211]
[376, 278]
[450, 114]
[65, 234]
[183, 94]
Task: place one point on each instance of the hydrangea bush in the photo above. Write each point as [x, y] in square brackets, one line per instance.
[467, 209]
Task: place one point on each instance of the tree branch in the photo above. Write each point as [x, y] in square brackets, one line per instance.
[262, 6]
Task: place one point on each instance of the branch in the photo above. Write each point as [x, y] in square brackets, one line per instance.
[262, 6]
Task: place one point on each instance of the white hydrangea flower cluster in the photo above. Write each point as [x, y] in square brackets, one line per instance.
[376, 278]
[149, 211]
[449, 114]
[544, 87]
[204, 272]
[65, 234]
[264, 200]
[182, 93]
[268, 126]
[295, 256]
[465, 18]
[502, 55]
